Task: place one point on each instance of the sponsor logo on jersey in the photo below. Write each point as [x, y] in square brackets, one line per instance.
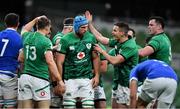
[71, 48]
[88, 45]
[80, 55]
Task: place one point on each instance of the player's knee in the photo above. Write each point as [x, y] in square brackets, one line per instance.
[87, 103]
[69, 103]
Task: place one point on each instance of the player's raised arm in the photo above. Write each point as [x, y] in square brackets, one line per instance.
[96, 33]
[28, 27]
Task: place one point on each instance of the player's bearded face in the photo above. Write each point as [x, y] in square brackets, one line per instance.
[83, 29]
[153, 27]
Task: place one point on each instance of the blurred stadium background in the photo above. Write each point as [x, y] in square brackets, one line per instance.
[106, 13]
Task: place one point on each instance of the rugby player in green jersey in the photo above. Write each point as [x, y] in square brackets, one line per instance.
[126, 58]
[67, 27]
[77, 57]
[56, 100]
[34, 85]
[132, 34]
[159, 46]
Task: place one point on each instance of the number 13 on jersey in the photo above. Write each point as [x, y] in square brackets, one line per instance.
[31, 52]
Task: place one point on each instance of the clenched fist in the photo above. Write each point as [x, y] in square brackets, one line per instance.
[59, 89]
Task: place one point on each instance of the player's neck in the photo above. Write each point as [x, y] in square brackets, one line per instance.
[12, 28]
[159, 32]
[79, 35]
[123, 39]
[41, 31]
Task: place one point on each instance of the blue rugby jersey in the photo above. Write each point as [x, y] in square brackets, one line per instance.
[152, 69]
[10, 44]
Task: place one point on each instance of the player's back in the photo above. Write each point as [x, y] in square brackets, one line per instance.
[152, 69]
[10, 44]
[35, 46]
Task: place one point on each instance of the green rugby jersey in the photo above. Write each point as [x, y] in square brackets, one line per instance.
[56, 37]
[78, 55]
[129, 51]
[35, 46]
[162, 48]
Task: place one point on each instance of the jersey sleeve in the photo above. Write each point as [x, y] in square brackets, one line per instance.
[47, 45]
[154, 44]
[127, 52]
[62, 47]
[133, 74]
[104, 48]
[55, 38]
[112, 52]
[94, 39]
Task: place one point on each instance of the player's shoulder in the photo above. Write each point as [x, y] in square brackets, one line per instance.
[68, 36]
[26, 34]
[89, 34]
[130, 44]
[159, 36]
[10, 32]
[59, 34]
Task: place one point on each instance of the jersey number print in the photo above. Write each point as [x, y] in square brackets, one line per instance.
[5, 41]
[31, 52]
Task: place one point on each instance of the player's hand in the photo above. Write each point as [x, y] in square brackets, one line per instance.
[55, 47]
[60, 88]
[39, 17]
[88, 16]
[98, 48]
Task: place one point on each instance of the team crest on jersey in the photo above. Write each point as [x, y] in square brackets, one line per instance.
[88, 45]
[71, 48]
[120, 51]
[80, 55]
